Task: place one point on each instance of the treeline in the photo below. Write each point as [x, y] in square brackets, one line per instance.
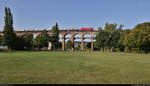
[26, 41]
[117, 39]
[112, 37]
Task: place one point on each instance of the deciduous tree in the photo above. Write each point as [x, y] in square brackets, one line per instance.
[42, 40]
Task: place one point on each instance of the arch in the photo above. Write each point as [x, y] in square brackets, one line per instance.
[77, 40]
[87, 35]
[87, 40]
[77, 35]
[94, 35]
[68, 35]
[77, 44]
[60, 40]
[87, 44]
[66, 40]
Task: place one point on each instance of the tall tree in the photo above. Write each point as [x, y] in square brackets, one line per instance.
[9, 34]
[55, 37]
[114, 35]
[100, 39]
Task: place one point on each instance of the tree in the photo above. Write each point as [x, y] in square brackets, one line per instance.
[120, 28]
[45, 38]
[113, 40]
[110, 27]
[113, 35]
[55, 37]
[38, 42]
[69, 44]
[109, 37]
[19, 43]
[9, 34]
[139, 38]
[0, 40]
[100, 39]
[123, 34]
[28, 41]
[42, 40]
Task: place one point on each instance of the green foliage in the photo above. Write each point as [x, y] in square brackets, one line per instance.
[101, 39]
[139, 37]
[19, 43]
[110, 27]
[9, 34]
[1, 40]
[24, 42]
[123, 34]
[42, 40]
[69, 44]
[120, 28]
[28, 41]
[108, 37]
[38, 42]
[55, 37]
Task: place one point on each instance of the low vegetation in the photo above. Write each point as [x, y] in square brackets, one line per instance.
[74, 67]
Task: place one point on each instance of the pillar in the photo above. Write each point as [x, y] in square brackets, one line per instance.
[82, 43]
[72, 42]
[92, 46]
[63, 43]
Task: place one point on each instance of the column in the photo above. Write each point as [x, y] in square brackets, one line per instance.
[82, 43]
[92, 47]
[72, 42]
[63, 43]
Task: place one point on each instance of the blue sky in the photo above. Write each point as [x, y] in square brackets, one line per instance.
[43, 14]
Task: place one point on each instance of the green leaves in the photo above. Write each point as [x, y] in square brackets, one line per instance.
[108, 37]
[42, 40]
[9, 34]
[69, 44]
[55, 37]
[139, 37]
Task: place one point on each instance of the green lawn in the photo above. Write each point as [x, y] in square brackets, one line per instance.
[74, 67]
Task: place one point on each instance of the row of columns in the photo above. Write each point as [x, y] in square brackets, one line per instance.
[82, 43]
[72, 39]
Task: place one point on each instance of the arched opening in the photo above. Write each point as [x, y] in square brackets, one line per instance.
[77, 36]
[77, 44]
[94, 35]
[66, 40]
[60, 40]
[87, 44]
[69, 45]
[68, 36]
[87, 35]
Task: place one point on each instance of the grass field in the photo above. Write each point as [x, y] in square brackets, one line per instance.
[74, 68]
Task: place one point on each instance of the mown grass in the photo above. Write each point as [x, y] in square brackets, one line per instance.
[74, 68]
